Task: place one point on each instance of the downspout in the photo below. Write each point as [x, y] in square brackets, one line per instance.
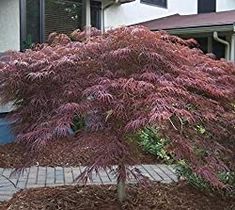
[233, 44]
[226, 43]
[233, 48]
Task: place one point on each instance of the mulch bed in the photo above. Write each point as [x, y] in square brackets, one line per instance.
[157, 196]
[63, 152]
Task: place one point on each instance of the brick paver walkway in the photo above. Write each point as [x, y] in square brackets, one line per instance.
[35, 177]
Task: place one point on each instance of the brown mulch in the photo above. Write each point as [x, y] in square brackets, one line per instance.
[63, 152]
[179, 196]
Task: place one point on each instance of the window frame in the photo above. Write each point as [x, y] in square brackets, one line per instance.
[148, 2]
[23, 19]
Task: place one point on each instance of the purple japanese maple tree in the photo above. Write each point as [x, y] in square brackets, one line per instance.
[125, 79]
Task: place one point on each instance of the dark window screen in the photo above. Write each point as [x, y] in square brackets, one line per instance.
[203, 42]
[63, 16]
[219, 49]
[40, 18]
[66, 16]
[32, 23]
[206, 6]
[96, 14]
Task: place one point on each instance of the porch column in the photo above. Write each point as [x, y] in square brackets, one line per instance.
[209, 45]
[233, 47]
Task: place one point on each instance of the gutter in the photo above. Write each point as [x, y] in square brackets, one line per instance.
[226, 43]
[199, 29]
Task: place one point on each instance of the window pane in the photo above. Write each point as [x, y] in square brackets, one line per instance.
[205, 6]
[218, 49]
[32, 23]
[63, 16]
[203, 42]
[96, 14]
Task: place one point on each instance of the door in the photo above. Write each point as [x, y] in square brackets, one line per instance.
[206, 6]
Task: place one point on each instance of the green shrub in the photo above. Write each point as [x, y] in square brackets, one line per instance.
[153, 143]
[184, 170]
[78, 124]
[228, 178]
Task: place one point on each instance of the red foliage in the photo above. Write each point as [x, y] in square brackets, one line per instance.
[125, 80]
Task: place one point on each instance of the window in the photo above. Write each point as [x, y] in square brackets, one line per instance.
[160, 3]
[96, 14]
[63, 16]
[38, 18]
[218, 49]
[30, 22]
[203, 42]
[205, 6]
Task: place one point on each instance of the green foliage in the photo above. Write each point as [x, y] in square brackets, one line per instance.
[153, 143]
[200, 152]
[233, 105]
[78, 124]
[28, 43]
[228, 178]
[184, 170]
[201, 129]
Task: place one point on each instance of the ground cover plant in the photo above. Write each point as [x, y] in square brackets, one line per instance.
[120, 82]
[154, 144]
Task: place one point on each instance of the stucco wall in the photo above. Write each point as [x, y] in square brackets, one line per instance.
[9, 25]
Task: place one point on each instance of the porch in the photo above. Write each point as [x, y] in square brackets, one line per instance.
[214, 32]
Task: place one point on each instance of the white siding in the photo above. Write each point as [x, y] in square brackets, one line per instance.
[9, 25]
[223, 5]
[136, 12]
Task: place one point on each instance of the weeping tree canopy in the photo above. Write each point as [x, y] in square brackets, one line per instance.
[123, 81]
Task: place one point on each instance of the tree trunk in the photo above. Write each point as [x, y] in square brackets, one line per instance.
[121, 190]
[121, 183]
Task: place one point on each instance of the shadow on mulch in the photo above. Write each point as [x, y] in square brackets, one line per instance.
[158, 196]
[63, 152]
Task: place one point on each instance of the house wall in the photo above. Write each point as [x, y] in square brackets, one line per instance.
[223, 5]
[136, 12]
[9, 25]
